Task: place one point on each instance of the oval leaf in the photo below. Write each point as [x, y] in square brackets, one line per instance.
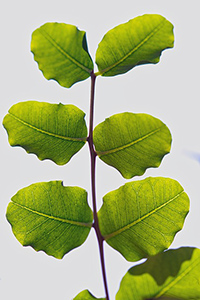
[139, 41]
[50, 217]
[61, 53]
[141, 218]
[131, 143]
[174, 274]
[86, 295]
[51, 131]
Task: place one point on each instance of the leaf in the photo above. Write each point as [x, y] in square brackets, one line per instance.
[164, 298]
[141, 218]
[50, 217]
[131, 143]
[174, 274]
[51, 131]
[139, 41]
[86, 295]
[61, 53]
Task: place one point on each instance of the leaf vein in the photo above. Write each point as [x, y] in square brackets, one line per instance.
[48, 133]
[102, 153]
[133, 50]
[126, 227]
[53, 217]
[178, 278]
[62, 51]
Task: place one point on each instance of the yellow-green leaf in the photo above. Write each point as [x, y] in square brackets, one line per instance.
[139, 41]
[131, 143]
[172, 275]
[50, 217]
[51, 131]
[86, 295]
[61, 53]
[141, 218]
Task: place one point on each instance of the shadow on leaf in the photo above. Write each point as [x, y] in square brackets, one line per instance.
[156, 265]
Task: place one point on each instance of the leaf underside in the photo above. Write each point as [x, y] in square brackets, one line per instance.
[131, 143]
[51, 131]
[86, 295]
[61, 53]
[141, 218]
[50, 217]
[139, 41]
[174, 274]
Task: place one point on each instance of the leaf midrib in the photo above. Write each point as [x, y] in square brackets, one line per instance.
[46, 132]
[178, 278]
[102, 153]
[160, 25]
[82, 224]
[62, 51]
[117, 232]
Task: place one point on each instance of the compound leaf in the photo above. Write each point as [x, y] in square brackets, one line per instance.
[131, 143]
[86, 295]
[141, 218]
[139, 41]
[174, 274]
[50, 217]
[51, 131]
[61, 53]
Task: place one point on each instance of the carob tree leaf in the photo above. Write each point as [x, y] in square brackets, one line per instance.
[50, 217]
[171, 275]
[131, 142]
[86, 295]
[139, 41]
[61, 53]
[51, 131]
[141, 218]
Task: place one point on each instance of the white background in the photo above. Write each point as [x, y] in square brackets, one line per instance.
[168, 90]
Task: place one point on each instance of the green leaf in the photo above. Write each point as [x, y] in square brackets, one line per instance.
[50, 217]
[164, 298]
[61, 53]
[51, 131]
[139, 41]
[141, 218]
[86, 295]
[131, 143]
[174, 274]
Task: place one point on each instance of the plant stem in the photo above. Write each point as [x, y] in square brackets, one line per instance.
[93, 185]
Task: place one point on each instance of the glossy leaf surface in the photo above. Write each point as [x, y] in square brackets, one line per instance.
[61, 53]
[141, 218]
[131, 143]
[174, 274]
[86, 295]
[50, 217]
[51, 131]
[139, 41]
